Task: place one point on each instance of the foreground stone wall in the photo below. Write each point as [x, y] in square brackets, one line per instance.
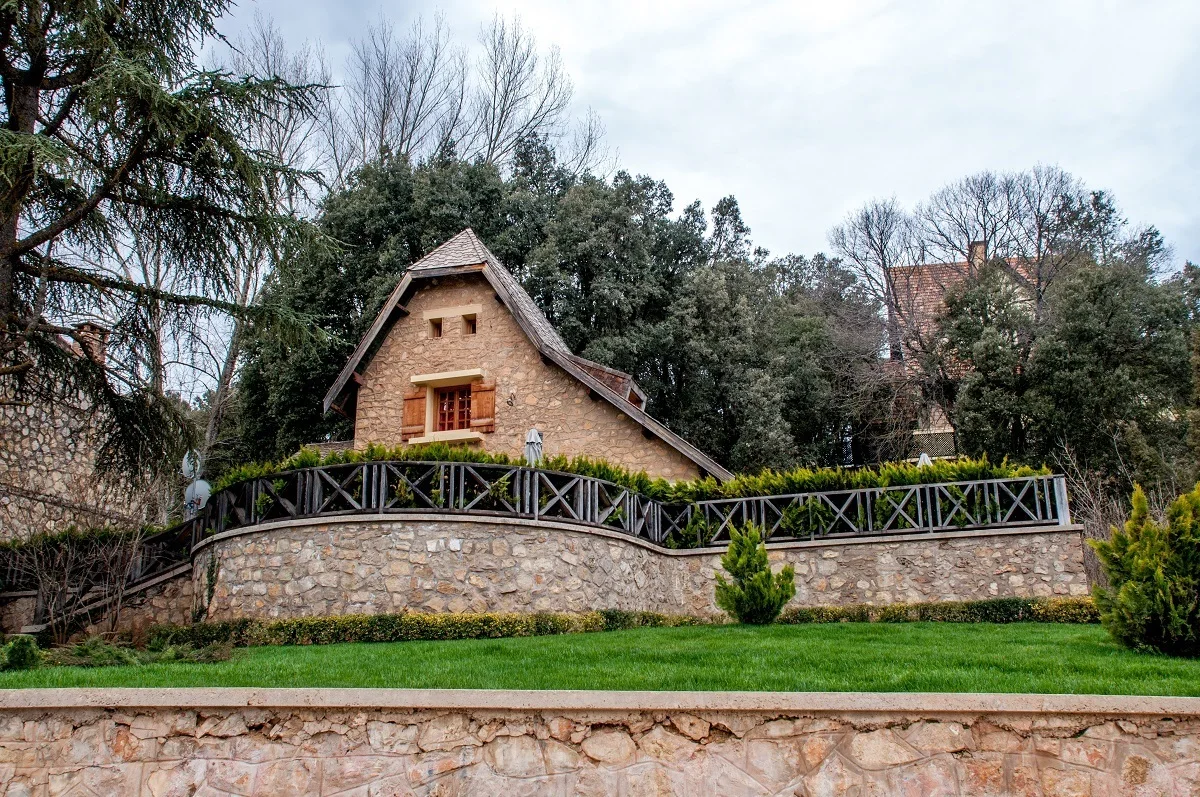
[428, 563]
[388, 742]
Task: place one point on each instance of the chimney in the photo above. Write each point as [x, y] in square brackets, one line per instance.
[93, 338]
[976, 254]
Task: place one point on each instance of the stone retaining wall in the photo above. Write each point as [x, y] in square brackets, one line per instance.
[445, 744]
[384, 563]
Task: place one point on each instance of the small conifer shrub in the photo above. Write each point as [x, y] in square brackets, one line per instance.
[755, 595]
[21, 653]
[1153, 598]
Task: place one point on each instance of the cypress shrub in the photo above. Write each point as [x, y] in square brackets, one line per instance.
[755, 596]
[21, 653]
[1153, 569]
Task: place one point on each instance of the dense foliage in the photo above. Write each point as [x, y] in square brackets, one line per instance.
[1103, 370]
[755, 595]
[1152, 599]
[111, 132]
[763, 363]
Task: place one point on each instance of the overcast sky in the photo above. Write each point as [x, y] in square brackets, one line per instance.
[804, 110]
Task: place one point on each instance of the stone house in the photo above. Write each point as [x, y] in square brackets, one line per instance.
[460, 353]
[917, 297]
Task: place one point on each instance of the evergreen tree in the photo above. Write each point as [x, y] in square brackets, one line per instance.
[755, 596]
[111, 130]
[1153, 570]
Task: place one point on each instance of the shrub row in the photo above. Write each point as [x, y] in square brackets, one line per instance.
[247, 632]
[995, 610]
[441, 452]
[770, 482]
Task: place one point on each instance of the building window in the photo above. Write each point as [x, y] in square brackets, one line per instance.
[435, 327]
[453, 408]
[469, 324]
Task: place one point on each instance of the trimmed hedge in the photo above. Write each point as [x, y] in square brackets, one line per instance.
[888, 474]
[769, 482]
[995, 610]
[413, 626]
[442, 452]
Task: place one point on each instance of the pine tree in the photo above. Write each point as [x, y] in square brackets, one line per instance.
[755, 596]
[1153, 570]
[111, 131]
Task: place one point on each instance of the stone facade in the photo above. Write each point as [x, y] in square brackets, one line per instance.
[48, 479]
[456, 752]
[529, 391]
[431, 563]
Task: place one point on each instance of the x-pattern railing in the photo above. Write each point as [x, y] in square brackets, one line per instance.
[533, 493]
[952, 506]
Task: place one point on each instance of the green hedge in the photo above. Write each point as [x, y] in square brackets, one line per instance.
[888, 474]
[797, 480]
[441, 452]
[413, 626]
[247, 632]
[995, 610]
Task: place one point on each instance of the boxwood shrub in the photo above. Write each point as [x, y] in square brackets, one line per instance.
[994, 610]
[246, 632]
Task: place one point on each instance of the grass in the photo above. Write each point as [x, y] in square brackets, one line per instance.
[910, 657]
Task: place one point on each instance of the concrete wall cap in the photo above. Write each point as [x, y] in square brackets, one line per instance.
[925, 704]
[501, 520]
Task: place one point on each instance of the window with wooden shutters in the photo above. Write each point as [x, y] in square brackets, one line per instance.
[483, 407]
[413, 424]
[453, 408]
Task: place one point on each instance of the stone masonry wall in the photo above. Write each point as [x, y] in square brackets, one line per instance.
[529, 392]
[456, 753]
[168, 601]
[436, 565]
[48, 479]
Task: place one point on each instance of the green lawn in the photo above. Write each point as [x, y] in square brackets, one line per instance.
[915, 657]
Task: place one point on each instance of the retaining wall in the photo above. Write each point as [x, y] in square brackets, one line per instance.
[428, 562]
[448, 743]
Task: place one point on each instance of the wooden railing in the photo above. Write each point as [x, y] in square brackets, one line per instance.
[333, 491]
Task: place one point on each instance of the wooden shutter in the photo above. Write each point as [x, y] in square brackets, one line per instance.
[413, 424]
[483, 406]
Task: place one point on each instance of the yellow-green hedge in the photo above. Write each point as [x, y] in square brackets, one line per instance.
[405, 627]
[995, 610]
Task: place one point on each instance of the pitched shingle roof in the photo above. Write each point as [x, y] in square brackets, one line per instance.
[466, 254]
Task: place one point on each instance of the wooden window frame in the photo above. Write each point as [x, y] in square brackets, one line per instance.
[452, 405]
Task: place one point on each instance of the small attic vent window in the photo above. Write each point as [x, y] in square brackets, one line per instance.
[469, 324]
[435, 327]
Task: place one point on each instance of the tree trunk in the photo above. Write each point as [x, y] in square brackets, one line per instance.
[224, 381]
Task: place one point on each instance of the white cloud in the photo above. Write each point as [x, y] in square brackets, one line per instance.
[805, 109]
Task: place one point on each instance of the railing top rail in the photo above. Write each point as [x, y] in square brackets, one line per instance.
[846, 490]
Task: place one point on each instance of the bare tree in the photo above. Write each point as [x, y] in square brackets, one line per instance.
[405, 96]
[585, 150]
[287, 134]
[520, 93]
[875, 241]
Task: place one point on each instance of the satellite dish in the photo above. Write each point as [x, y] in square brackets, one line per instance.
[196, 496]
[192, 464]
